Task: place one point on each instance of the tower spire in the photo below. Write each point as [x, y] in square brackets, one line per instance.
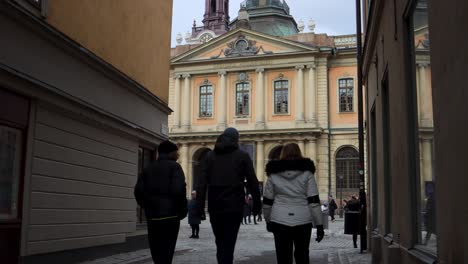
[216, 16]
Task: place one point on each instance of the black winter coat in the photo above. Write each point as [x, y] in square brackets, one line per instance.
[161, 190]
[223, 173]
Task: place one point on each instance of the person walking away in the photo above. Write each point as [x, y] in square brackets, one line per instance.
[251, 213]
[352, 219]
[246, 210]
[160, 190]
[194, 217]
[332, 206]
[223, 173]
[291, 204]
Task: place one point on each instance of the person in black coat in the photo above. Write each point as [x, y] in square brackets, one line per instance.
[161, 191]
[194, 217]
[353, 206]
[223, 173]
[332, 206]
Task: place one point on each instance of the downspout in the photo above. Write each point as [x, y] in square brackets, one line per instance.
[329, 132]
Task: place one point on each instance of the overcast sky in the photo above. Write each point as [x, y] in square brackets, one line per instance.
[334, 17]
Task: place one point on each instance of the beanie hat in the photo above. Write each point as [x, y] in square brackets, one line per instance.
[167, 147]
[232, 134]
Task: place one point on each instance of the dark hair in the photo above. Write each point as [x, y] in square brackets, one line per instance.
[291, 151]
[275, 153]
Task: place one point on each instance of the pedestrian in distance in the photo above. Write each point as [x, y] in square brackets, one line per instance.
[292, 204]
[352, 218]
[246, 210]
[251, 213]
[332, 206]
[160, 190]
[224, 171]
[194, 216]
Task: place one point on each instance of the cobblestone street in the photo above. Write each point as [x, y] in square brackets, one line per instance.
[254, 245]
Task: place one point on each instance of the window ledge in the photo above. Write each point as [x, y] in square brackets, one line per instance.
[423, 254]
[285, 114]
[242, 117]
[205, 118]
[347, 112]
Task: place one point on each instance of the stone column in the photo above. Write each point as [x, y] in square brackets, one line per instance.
[221, 101]
[186, 116]
[260, 161]
[425, 97]
[177, 100]
[184, 163]
[312, 150]
[301, 146]
[311, 95]
[260, 101]
[300, 95]
[427, 159]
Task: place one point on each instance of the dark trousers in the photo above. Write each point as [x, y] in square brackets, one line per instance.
[355, 239]
[195, 229]
[332, 215]
[287, 237]
[162, 236]
[225, 228]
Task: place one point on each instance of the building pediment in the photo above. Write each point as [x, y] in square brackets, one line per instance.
[242, 43]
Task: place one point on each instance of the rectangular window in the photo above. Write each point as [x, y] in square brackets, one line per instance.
[281, 90]
[10, 172]
[206, 101]
[346, 93]
[386, 154]
[424, 136]
[242, 99]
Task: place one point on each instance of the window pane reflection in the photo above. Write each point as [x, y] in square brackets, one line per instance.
[427, 185]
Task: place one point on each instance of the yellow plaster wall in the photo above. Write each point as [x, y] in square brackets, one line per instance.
[197, 82]
[338, 119]
[133, 36]
[271, 76]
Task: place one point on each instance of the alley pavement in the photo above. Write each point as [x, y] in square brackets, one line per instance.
[254, 245]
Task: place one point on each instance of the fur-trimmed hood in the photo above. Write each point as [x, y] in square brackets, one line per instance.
[300, 165]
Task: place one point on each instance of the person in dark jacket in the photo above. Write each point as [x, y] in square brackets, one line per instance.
[161, 191]
[194, 217]
[353, 206]
[224, 171]
[332, 206]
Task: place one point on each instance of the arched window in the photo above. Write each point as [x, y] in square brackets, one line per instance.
[281, 90]
[346, 92]
[242, 99]
[206, 101]
[347, 161]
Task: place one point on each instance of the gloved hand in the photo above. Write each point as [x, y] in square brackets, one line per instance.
[268, 227]
[320, 233]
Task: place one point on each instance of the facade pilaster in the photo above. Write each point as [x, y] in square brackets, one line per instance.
[300, 95]
[184, 163]
[425, 97]
[260, 161]
[177, 100]
[260, 100]
[222, 101]
[311, 151]
[301, 144]
[311, 95]
[186, 113]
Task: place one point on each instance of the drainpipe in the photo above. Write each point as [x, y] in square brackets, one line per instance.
[362, 190]
[329, 132]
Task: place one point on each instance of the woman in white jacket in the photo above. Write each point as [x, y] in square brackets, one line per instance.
[291, 204]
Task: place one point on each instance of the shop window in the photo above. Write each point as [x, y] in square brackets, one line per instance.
[424, 136]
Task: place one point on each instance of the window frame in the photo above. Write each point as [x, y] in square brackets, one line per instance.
[200, 116]
[353, 101]
[288, 110]
[346, 179]
[237, 114]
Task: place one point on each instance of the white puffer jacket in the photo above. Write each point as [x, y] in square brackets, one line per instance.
[291, 196]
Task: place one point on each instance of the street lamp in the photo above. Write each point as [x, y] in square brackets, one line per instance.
[341, 177]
